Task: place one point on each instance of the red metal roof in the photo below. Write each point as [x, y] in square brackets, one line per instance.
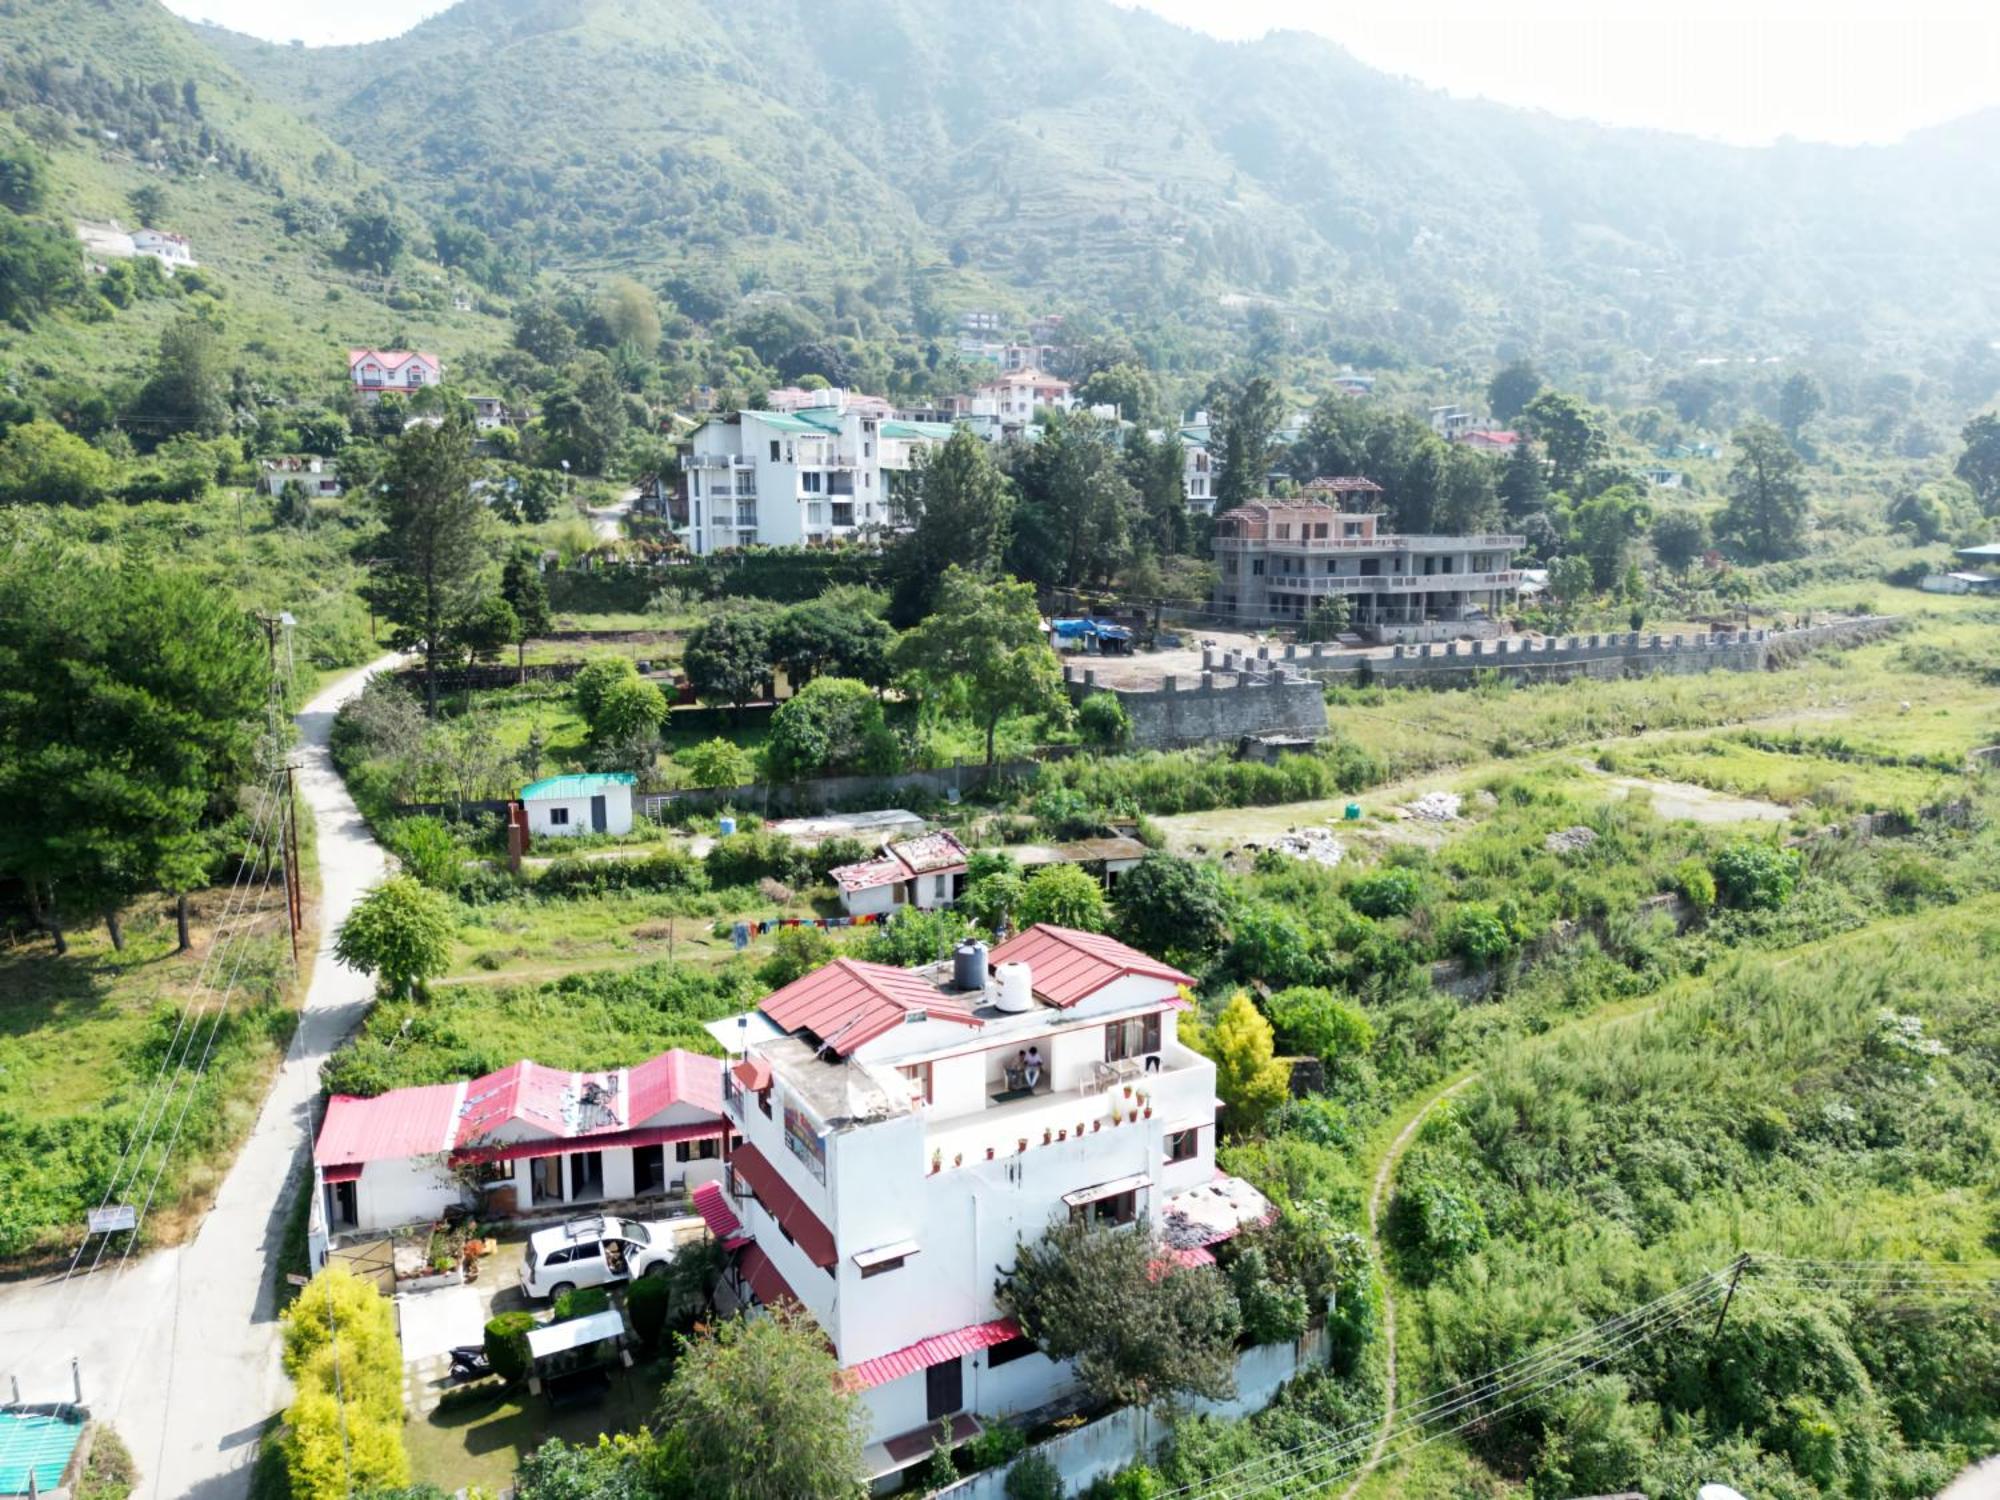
[459, 1116]
[848, 1003]
[784, 1205]
[755, 1267]
[713, 1206]
[1066, 965]
[403, 1122]
[674, 1077]
[754, 1073]
[927, 1352]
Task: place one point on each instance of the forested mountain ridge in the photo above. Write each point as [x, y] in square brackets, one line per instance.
[1084, 155]
[111, 110]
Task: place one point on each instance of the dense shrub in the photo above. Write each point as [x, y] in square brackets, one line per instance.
[832, 725]
[996, 1444]
[795, 951]
[830, 854]
[1180, 781]
[344, 1429]
[1479, 936]
[648, 1301]
[1695, 883]
[746, 858]
[1755, 876]
[665, 870]
[1033, 1477]
[1065, 895]
[1389, 892]
[581, 1302]
[1319, 1023]
[427, 849]
[507, 1344]
[1101, 720]
[1172, 908]
[913, 936]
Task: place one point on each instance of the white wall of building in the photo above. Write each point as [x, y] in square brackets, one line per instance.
[617, 813]
[876, 900]
[389, 1194]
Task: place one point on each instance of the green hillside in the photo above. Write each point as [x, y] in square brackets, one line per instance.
[1083, 156]
[115, 97]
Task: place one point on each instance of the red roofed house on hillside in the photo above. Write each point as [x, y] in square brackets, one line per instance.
[904, 1129]
[538, 1138]
[373, 371]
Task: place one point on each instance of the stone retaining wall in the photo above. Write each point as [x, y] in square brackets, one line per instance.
[1551, 658]
[1216, 708]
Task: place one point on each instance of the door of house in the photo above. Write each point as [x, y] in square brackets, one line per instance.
[597, 813]
[586, 1175]
[944, 1389]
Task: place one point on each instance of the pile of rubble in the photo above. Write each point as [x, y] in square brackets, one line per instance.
[1572, 840]
[1434, 807]
[1315, 844]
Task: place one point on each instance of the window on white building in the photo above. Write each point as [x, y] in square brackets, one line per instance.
[558, 816]
[1119, 1208]
[774, 450]
[1184, 1145]
[810, 480]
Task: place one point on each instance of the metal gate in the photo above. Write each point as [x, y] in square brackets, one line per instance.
[371, 1260]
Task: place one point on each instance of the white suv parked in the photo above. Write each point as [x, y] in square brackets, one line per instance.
[593, 1252]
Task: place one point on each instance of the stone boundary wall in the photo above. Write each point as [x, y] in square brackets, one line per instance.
[1618, 654]
[1216, 708]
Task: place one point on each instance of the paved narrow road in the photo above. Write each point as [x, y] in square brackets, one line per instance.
[180, 1350]
[608, 521]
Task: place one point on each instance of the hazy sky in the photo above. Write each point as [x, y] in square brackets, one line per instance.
[1739, 70]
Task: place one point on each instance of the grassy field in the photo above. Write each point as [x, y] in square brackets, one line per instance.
[82, 1039]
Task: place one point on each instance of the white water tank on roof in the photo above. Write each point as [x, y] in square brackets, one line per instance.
[1016, 988]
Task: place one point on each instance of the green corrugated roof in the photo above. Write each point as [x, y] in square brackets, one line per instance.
[934, 430]
[823, 417]
[785, 422]
[557, 787]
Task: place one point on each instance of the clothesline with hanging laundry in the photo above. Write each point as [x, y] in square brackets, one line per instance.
[742, 932]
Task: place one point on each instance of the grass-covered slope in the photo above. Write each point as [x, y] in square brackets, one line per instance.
[118, 97]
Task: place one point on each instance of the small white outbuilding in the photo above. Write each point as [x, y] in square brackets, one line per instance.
[600, 802]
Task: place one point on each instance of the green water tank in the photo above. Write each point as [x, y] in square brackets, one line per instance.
[1353, 811]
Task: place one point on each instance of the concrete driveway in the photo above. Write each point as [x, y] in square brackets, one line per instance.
[179, 1351]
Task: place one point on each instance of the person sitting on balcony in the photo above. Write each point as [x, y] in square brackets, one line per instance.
[1031, 1066]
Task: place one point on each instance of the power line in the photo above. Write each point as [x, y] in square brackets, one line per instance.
[1524, 1370]
[231, 903]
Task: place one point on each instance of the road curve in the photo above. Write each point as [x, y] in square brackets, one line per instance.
[179, 1351]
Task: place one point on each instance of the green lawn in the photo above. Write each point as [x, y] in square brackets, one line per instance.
[480, 1439]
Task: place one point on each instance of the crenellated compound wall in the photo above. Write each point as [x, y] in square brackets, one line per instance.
[1551, 658]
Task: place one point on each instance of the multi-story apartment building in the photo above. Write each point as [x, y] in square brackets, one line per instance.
[1275, 559]
[903, 1130]
[803, 477]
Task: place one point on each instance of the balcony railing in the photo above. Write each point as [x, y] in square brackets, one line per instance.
[1182, 1092]
[1354, 583]
[1491, 542]
[716, 461]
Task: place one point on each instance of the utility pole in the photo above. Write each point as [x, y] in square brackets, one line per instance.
[1736, 1270]
[294, 890]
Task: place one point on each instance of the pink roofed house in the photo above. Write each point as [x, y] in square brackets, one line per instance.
[536, 1137]
[373, 371]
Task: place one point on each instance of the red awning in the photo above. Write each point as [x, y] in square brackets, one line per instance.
[784, 1205]
[610, 1140]
[927, 1352]
[755, 1267]
[346, 1172]
[713, 1206]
